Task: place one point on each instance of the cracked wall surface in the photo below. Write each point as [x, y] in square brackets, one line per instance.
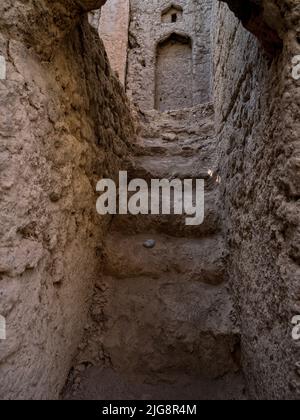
[64, 124]
[113, 30]
[257, 107]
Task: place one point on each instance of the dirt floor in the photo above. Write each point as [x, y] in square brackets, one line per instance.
[105, 384]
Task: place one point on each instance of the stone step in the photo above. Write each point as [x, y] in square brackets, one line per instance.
[180, 133]
[202, 260]
[103, 384]
[187, 147]
[154, 147]
[173, 225]
[160, 328]
[170, 167]
[188, 122]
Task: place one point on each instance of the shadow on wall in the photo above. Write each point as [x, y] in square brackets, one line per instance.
[174, 73]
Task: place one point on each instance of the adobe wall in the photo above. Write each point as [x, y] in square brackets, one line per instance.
[64, 124]
[113, 30]
[151, 23]
[257, 107]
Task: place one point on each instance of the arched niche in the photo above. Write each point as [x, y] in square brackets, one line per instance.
[174, 73]
[172, 14]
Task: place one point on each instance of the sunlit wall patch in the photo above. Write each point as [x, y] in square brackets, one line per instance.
[2, 328]
[296, 67]
[2, 68]
[296, 329]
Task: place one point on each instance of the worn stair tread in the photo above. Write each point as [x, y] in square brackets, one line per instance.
[204, 307]
[192, 259]
[197, 120]
[185, 147]
[170, 167]
[175, 327]
[159, 146]
[98, 383]
[173, 225]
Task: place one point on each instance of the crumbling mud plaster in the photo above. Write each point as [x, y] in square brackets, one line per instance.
[64, 124]
[113, 29]
[149, 27]
[201, 302]
[257, 107]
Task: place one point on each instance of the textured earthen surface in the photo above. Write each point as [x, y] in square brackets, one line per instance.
[173, 60]
[64, 124]
[165, 313]
[142, 307]
[262, 18]
[106, 384]
[257, 109]
[113, 29]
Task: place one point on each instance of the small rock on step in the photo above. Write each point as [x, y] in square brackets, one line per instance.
[169, 136]
[149, 244]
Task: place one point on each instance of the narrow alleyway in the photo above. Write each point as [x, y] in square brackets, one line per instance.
[106, 306]
[165, 317]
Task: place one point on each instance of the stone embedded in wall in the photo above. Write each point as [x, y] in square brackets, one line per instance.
[113, 30]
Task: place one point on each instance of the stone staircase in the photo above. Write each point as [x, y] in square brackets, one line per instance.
[164, 312]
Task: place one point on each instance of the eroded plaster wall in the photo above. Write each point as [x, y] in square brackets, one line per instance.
[148, 28]
[64, 124]
[113, 30]
[257, 109]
